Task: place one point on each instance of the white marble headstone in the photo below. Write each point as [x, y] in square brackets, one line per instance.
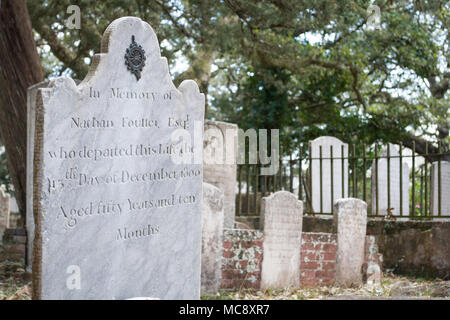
[394, 187]
[117, 182]
[282, 218]
[444, 189]
[338, 193]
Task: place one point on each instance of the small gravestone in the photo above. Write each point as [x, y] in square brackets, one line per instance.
[212, 238]
[4, 210]
[393, 204]
[444, 188]
[351, 221]
[117, 195]
[219, 164]
[282, 218]
[335, 170]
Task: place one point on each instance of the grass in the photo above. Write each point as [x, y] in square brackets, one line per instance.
[391, 286]
[14, 285]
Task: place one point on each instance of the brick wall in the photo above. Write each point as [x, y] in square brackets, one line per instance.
[243, 253]
[318, 259]
[242, 257]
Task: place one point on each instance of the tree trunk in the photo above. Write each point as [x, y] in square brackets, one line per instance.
[20, 68]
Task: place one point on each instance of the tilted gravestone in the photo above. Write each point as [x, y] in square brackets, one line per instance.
[443, 189]
[4, 210]
[212, 238]
[350, 216]
[118, 177]
[335, 170]
[219, 165]
[282, 218]
[391, 204]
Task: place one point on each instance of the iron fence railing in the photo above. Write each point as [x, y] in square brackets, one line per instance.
[358, 179]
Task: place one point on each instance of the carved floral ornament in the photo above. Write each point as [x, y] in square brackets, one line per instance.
[135, 58]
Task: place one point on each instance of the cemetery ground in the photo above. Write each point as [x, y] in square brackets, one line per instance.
[16, 285]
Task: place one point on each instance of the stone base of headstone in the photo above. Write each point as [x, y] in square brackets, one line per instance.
[351, 222]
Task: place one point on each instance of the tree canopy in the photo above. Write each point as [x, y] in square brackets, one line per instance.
[309, 68]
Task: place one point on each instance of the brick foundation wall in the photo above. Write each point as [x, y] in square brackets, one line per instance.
[318, 259]
[243, 254]
[242, 257]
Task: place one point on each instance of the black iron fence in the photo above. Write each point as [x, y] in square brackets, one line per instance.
[320, 180]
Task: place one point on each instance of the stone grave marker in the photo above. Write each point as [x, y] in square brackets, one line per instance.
[350, 216]
[118, 173]
[219, 165]
[340, 171]
[445, 188]
[212, 238]
[394, 164]
[282, 218]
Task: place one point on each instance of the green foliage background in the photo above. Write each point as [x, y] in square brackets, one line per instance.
[309, 68]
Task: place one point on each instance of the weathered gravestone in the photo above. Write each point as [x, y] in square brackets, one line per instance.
[339, 174]
[4, 210]
[394, 184]
[282, 218]
[219, 165]
[444, 188]
[212, 238]
[351, 221]
[117, 182]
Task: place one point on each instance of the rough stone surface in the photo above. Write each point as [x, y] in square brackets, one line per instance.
[327, 198]
[212, 238]
[117, 213]
[372, 271]
[394, 165]
[282, 215]
[351, 221]
[4, 210]
[219, 165]
[445, 188]
[31, 117]
[418, 248]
